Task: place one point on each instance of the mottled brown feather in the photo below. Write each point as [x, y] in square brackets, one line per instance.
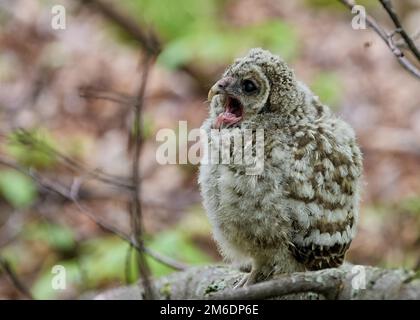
[316, 257]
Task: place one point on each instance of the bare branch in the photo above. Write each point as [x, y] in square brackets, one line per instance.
[165, 260]
[107, 227]
[403, 45]
[69, 194]
[26, 138]
[135, 205]
[402, 60]
[91, 93]
[7, 269]
[393, 15]
[214, 282]
[285, 285]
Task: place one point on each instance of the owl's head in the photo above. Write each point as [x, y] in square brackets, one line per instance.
[256, 83]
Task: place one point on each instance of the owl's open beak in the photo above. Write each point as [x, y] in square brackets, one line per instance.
[219, 87]
[212, 92]
[216, 89]
[233, 112]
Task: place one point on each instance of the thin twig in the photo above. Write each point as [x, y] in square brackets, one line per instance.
[400, 43]
[67, 194]
[402, 60]
[90, 93]
[165, 260]
[26, 138]
[394, 17]
[7, 269]
[107, 227]
[135, 205]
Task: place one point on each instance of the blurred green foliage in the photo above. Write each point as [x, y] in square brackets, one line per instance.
[215, 46]
[323, 4]
[178, 245]
[149, 126]
[57, 237]
[76, 145]
[411, 205]
[30, 148]
[328, 87]
[97, 262]
[42, 288]
[197, 31]
[17, 189]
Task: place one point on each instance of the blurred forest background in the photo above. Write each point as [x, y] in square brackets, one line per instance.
[46, 74]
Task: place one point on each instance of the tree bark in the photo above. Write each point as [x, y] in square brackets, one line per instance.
[346, 282]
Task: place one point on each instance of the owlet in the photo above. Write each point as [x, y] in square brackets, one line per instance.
[300, 211]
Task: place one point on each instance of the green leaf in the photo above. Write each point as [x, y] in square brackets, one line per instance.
[31, 148]
[17, 189]
[176, 53]
[175, 244]
[103, 260]
[56, 236]
[411, 204]
[214, 45]
[194, 33]
[173, 19]
[276, 36]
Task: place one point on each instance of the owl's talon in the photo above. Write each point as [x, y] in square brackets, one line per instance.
[241, 282]
[247, 280]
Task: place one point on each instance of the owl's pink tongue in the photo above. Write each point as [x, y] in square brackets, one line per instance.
[231, 115]
[226, 118]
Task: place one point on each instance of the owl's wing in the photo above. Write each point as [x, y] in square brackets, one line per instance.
[322, 191]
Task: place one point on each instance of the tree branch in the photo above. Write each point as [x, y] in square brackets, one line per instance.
[69, 194]
[135, 206]
[325, 284]
[399, 55]
[92, 93]
[344, 283]
[393, 15]
[27, 139]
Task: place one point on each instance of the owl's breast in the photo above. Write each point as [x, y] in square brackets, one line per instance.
[246, 209]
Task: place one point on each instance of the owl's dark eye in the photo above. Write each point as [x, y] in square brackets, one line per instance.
[249, 86]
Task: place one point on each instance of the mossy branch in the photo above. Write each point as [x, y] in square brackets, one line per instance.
[346, 282]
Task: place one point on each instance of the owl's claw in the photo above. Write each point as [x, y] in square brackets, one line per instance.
[241, 282]
[247, 280]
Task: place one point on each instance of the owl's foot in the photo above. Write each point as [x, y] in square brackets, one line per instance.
[256, 275]
[241, 282]
[247, 280]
